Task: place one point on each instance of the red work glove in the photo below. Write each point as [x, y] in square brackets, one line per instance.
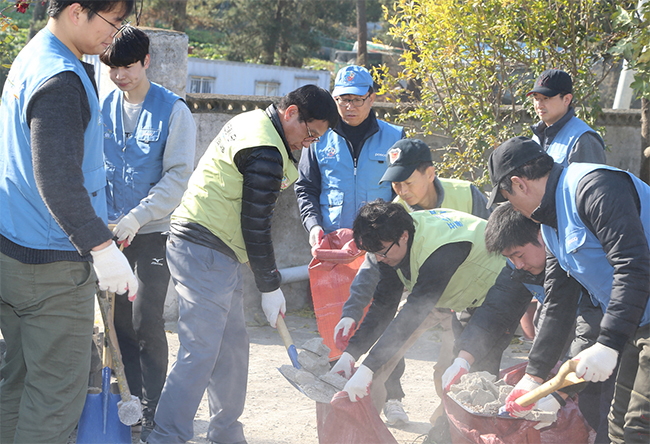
[453, 374]
[344, 366]
[525, 385]
[343, 333]
[359, 384]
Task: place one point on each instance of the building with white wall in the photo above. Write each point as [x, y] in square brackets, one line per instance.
[248, 79]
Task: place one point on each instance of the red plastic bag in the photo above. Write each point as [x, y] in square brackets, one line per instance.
[346, 422]
[336, 262]
[337, 247]
[466, 427]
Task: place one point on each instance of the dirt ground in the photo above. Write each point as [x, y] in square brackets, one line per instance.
[277, 413]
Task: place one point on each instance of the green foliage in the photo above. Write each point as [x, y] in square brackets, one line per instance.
[634, 26]
[463, 61]
[13, 35]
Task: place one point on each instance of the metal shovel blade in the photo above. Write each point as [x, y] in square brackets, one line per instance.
[99, 422]
[308, 384]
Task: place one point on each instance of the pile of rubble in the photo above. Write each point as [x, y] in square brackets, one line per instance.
[480, 393]
[314, 378]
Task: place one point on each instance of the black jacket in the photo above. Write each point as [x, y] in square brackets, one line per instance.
[609, 205]
[262, 170]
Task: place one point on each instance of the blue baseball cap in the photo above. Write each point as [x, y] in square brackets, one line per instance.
[352, 79]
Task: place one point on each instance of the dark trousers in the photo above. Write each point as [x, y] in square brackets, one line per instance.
[629, 418]
[491, 362]
[393, 385]
[139, 325]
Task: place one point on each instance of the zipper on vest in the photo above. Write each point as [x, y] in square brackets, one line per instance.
[355, 167]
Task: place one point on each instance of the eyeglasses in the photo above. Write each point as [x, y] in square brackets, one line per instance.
[311, 136]
[385, 253]
[314, 139]
[117, 30]
[357, 101]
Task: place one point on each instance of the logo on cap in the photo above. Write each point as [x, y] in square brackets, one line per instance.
[393, 155]
[349, 77]
[544, 80]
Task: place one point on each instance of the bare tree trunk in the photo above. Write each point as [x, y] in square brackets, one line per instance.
[644, 174]
[38, 14]
[179, 14]
[362, 34]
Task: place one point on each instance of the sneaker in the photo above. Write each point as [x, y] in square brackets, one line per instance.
[394, 412]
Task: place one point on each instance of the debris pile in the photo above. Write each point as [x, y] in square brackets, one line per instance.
[314, 377]
[480, 393]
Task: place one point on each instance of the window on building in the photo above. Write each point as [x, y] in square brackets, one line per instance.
[302, 81]
[263, 88]
[199, 84]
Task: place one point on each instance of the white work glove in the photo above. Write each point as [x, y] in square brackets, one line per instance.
[273, 304]
[547, 404]
[114, 272]
[344, 366]
[126, 229]
[596, 363]
[343, 332]
[524, 386]
[315, 235]
[452, 375]
[359, 384]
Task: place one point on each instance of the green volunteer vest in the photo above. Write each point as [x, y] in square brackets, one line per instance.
[214, 193]
[458, 196]
[471, 282]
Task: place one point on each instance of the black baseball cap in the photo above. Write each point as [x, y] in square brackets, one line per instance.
[509, 156]
[552, 82]
[403, 158]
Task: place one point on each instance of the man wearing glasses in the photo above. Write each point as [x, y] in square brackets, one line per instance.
[342, 171]
[440, 257]
[54, 240]
[222, 222]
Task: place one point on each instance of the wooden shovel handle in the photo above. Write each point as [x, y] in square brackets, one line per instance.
[288, 342]
[109, 332]
[565, 376]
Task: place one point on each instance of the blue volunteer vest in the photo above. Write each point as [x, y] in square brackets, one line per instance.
[25, 219]
[346, 187]
[565, 139]
[134, 165]
[576, 248]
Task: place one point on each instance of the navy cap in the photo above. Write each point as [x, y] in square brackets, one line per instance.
[403, 158]
[552, 82]
[509, 156]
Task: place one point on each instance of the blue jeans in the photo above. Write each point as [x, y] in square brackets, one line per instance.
[46, 316]
[213, 353]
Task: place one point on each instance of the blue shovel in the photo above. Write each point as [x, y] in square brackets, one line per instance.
[100, 421]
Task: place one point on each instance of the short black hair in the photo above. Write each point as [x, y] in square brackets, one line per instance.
[508, 228]
[55, 7]
[380, 221]
[314, 103]
[129, 46]
[423, 166]
[531, 170]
